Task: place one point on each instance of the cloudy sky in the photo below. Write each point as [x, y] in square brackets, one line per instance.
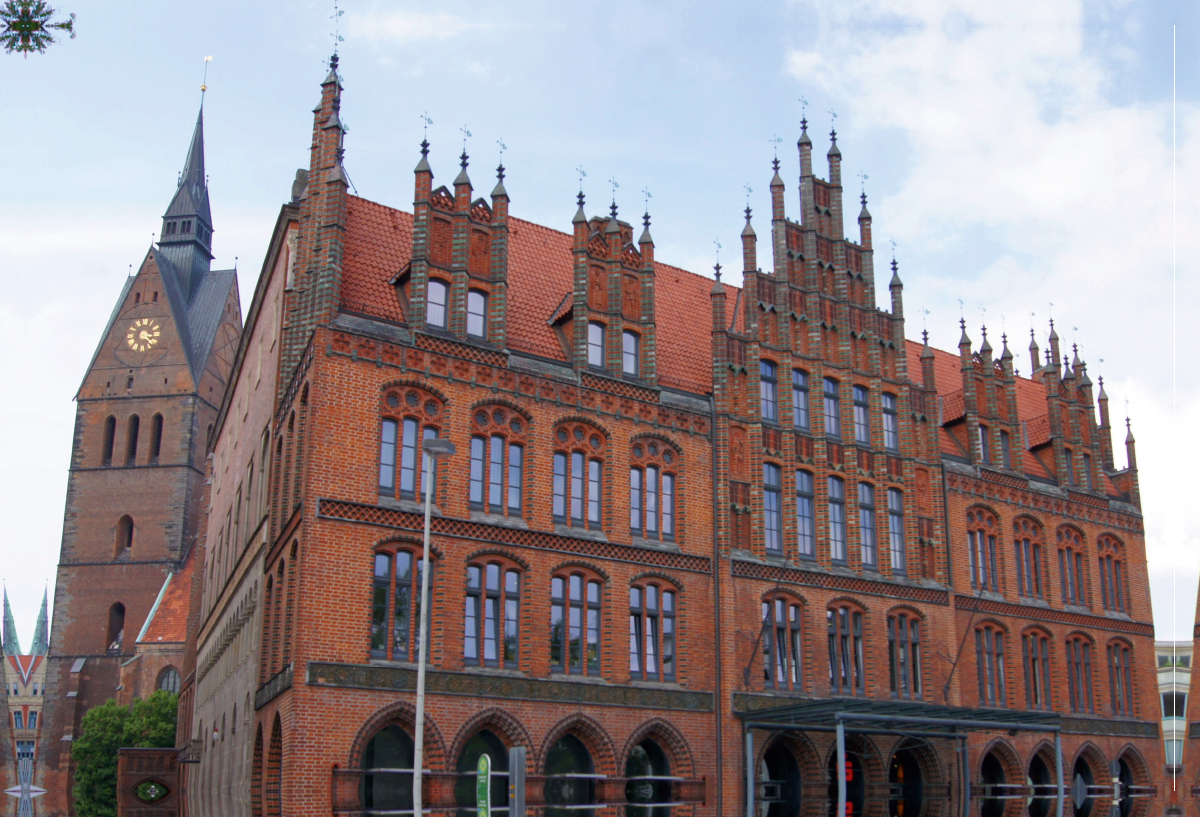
[1020, 154]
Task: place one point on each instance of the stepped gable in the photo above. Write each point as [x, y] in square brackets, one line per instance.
[540, 275]
[168, 624]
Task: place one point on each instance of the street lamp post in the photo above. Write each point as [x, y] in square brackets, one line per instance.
[435, 449]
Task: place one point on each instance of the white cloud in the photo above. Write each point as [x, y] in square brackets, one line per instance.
[402, 26]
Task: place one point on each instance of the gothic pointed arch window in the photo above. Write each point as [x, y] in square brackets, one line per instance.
[1119, 657]
[782, 642]
[904, 654]
[497, 475]
[1079, 674]
[131, 439]
[653, 487]
[110, 436]
[1112, 578]
[156, 429]
[577, 488]
[1027, 543]
[989, 664]
[1035, 656]
[124, 543]
[1070, 566]
[411, 415]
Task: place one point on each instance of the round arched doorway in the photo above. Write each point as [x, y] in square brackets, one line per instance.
[856, 786]
[648, 789]
[906, 785]
[779, 782]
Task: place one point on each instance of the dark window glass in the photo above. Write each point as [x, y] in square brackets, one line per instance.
[891, 424]
[772, 532]
[1120, 680]
[491, 615]
[985, 445]
[1005, 451]
[845, 651]
[896, 531]
[396, 591]
[1035, 653]
[981, 551]
[110, 433]
[805, 523]
[131, 440]
[866, 524]
[782, 645]
[156, 428]
[1079, 675]
[837, 519]
[575, 624]
[651, 633]
[989, 659]
[387, 457]
[904, 655]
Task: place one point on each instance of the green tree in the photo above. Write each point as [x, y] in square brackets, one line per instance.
[148, 723]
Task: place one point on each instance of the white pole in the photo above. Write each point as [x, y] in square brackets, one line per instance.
[419, 727]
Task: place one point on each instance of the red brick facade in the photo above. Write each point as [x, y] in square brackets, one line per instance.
[613, 448]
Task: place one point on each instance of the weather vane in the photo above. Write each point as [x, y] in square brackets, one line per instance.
[862, 179]
[615, 185]
[466, 135]
[503, 147]
[924, 315]
[960, 308]
[832, 123]
[647, 194]
[892, 241]
[582, 175]
[749, 190]
[204, 82]
[425, 123]
[717, 242]
[803, 110]
[775, 141]
[336, 17]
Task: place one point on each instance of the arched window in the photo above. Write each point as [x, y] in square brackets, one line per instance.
[652, 489]
[891, 425]
[1120, 678]
[1112, 585]
[631, 353]
[396, 605]
[1070, 566]
[115, 635]
[651, 632]
[392, 750]
[571, 779]
[435, 309]
[768, 385]
[124, 543]
[477, 310]
[1035, 655]
[168, 680]
[595, 345]
[156, 427]
[837, 519]
[833, 408]
[904, 655]
[648, 772]
[1079, 674]
[989, 665]
[110, 435]
[497, 460]
[782, 643]
[846, 669]
[772, 516]
[1027, 540]
[575, 624]
[866, 526]
[483, 742]
[805, 520]
[862, 416]
[981, 550]
[578, 468]
[415, 416]
[131, 440]
[896, 540]
[492, 616]
[800, 418]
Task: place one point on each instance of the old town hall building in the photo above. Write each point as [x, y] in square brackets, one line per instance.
[773, 561]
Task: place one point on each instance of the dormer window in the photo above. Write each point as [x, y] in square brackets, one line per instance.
[477, 314]
[435, 310]
[595, 345]
[629, 354]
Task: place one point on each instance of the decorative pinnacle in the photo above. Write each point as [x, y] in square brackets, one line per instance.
[863, 198]
[717, 270]
[580, 198]
[333, 62]
[925, 336]
[425, 123]
[775, 164]
[646, 220]
[748, 211]
[462, 160]
[613, 209]
[500, 172]
[894, 266]
[424, 148]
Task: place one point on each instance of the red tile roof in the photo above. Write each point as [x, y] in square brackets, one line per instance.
[170, 620]
[540, 275]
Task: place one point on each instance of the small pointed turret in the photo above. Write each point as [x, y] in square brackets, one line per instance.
[12, 645]
[580, 216]
[1130, 447]
[1005, 353]
[1106, 449]
[645, 236]
[423, 165]
[613, 225]
[41, 630]
[928, 379]
[1035, 362]
[864, 223]
[1055, 354]
[804, 144]
[896, 288]
[749, 245]
[963, 340]
[833, 147]
[985, 349]
[499, 190]
[462, 177]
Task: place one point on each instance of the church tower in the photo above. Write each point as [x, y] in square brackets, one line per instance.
[144, 411]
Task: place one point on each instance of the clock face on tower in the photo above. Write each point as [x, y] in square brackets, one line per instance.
[143, 334]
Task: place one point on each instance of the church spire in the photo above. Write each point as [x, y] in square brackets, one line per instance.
[186, 237]
[41, 631]
[12, 646]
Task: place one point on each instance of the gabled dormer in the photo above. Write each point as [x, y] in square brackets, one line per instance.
[612, 312]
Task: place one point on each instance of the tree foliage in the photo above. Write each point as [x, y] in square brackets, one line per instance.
[148, 723]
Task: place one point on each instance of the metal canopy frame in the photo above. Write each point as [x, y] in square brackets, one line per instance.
[911, 719]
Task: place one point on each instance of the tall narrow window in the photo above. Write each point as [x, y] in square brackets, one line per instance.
[985, 446]
[131, 440]
[1120, 680]
[1079, 675]
[772, 533]
[805, 523]
[904, 655]
[491, 616]
[595, 345]
[844, 625]
[833, 408]
[837, 519]
[1112, 589]
[110, 434]
[768, 382]
[981, 550]
[896, 531]
[387, 457]
[575, 624]
[891, 424]
[408, 460]
[156, 427]
[477, 303]
[1005, 450]
[124, 536]
[651, 633]
[652, 490]
[800, 399]
[435, 313]
[1070, 566]
[630, 356]
[577, 483]
[396, 603]
[1028, 548]
[1070, 457]
[866, 525]
[1088, 479]
[782, 645]
[862, 417]
[989, 659]
[495, 477]
[1035, 652]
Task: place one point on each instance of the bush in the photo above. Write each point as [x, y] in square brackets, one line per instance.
[148, 724]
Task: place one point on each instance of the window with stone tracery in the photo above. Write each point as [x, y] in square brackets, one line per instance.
[497, 476]
[577, 488]
[410, 416]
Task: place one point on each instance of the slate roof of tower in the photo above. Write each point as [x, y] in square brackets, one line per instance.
[191, 197]
[12, 645]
